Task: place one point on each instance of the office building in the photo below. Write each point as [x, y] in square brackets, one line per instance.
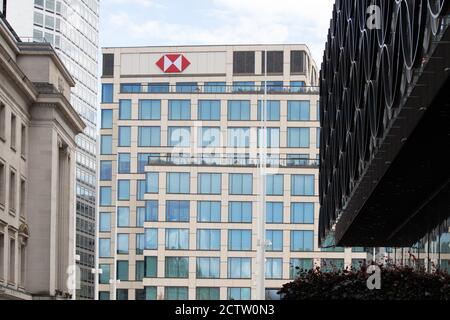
[180, 178]
[37, 171]
[71, 27]
[385, 175]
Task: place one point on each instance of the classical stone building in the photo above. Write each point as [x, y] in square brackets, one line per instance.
[37, 169]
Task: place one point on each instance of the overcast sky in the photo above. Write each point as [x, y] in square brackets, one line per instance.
[186, 22]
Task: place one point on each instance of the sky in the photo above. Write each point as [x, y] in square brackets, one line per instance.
[194, 22]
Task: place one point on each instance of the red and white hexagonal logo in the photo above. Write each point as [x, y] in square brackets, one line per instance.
[173, 63]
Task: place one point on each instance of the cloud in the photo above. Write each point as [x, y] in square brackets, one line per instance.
[222, 22]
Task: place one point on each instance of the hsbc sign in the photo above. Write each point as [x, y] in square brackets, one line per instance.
[173, 63]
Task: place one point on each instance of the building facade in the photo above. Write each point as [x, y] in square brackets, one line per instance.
[71, 27]
[37, 171]
[179, 176]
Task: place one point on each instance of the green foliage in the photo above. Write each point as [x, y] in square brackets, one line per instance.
[397, 283]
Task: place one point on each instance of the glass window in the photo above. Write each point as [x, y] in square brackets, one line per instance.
[179, 136]
[244, 62]
[241, 184]
[49, 22]
[272, 137]
[140, 243]
[149, 109]
[122, 270]
[104, 248]
[297, 265]
[208, 268]
[144, 158]
[329, 245]
[178, 182]
[317, 137]
[275, 238]
[103, 295]
[177, 211]
[149, 136]
[209, 137]
[124, 136]
[318, 111]
[177, 267]
[151, 293]
[152, 182]
[106, 144]
[302, 213]
[122, 294]
[239, 268]
[240, 212]
[298, 137]
[151, 239]
[107, 93]
[105, 276]
[38, 19]
[105, 222]
[275, 62]
[302, 240]
[107, 119]
[331, 265]
[274, 268]
[124, 163]
[272, 86]
[297, 159]
[186, 87]
[299, 111]
[274, 184]
[239, 137]
[161, 87]
[272, 110]
[123, 216]
[208, 239]
[357, 264]
[298, 86]
[239, 294]
[123, 191]
[215, 87]
[179, 109]
[140, 274]
[274, 212]
[243, 86]
[177, 239]
[176, 293]
[151, 267]
[105, 170]
[209, 183]
[209, 110]
[150, 213]
[238, 110]
[105, 196]
[208, 294]
[239, 240]
[124, 109]
[208, 211]
[122, 243]
[130, 88]
[302, 185]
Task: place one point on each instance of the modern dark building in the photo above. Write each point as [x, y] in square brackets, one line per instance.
[385, 118]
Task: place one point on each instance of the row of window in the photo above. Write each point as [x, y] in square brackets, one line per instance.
[208, 240]
[179, 293]
[206, 87]
[208, 137]
[210, 183]
[209, 268]
[208, 212]
[142, 159]
[208, 110]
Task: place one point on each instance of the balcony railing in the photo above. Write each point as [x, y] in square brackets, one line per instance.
[217, 89]
[230, 161]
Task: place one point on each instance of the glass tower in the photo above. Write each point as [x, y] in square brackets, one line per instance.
[72, 28]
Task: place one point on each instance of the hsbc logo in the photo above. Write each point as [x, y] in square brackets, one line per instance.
[173, 63]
